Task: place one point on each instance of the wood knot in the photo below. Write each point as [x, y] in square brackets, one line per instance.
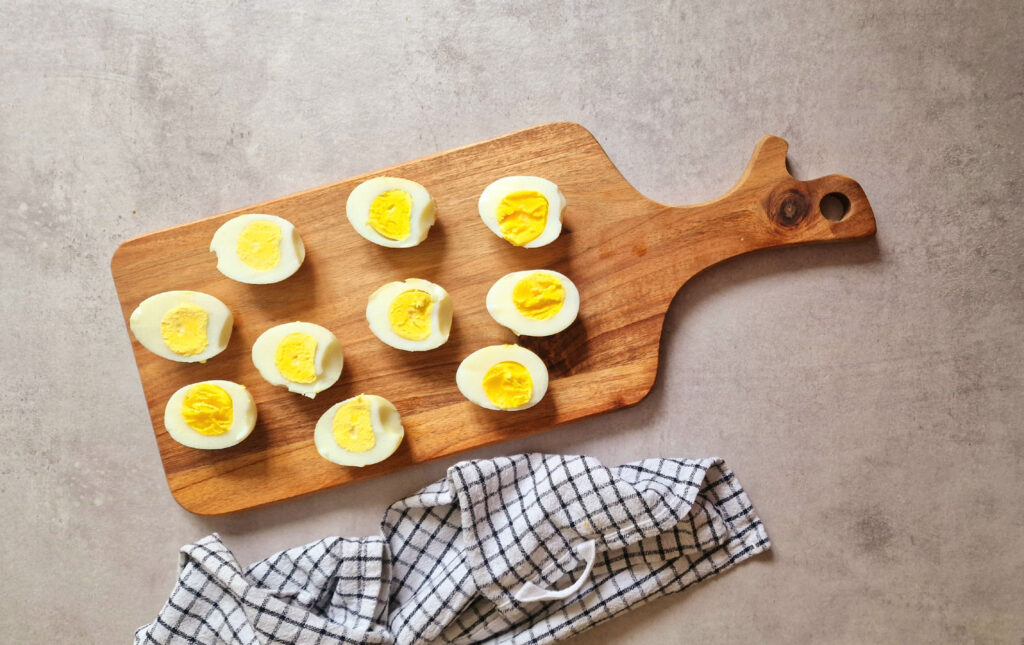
[788, 208]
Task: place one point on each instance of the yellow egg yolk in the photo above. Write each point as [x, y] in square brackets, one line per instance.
[183, 329]
[522, 216]
[259, 245]
[208, 410]
[409, 314]
[539, 296]
[295, 358]
[508, 385]
[352, 427]
[390, 214]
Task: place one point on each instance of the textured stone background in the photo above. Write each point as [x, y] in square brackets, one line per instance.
[869, 395]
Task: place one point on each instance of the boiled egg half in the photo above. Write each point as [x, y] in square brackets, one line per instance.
[303, 357]
[391, 211]
[258, 249]
[534, 303]
[210, 415]
[183, 326]
[414, 315]
[503, 377]
[359, 431]
[522, 210]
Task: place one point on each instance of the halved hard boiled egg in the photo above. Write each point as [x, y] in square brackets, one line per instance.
[534, 303]
[210, 415]
[301, 356]
[183, 326]
[391, 211]
[359, 431]
[503, 377]
[524, 211]
[258, 249]
[414, 315]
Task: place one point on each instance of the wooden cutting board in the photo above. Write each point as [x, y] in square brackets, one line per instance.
[628, 256]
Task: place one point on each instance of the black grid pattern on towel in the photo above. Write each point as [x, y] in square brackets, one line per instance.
[452, 557]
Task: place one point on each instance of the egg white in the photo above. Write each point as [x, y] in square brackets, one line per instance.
[379, 304]
[328, 360]
[387, 430]
[503, 309]
[243, 420]
[225, 245]
[491, 198]
[469, 377]
[145, 324]
[421, 217]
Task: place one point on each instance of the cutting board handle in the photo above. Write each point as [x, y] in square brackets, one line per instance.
[767, 207]
[793, 204]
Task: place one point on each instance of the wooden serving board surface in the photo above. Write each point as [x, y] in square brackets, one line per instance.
[628, 256]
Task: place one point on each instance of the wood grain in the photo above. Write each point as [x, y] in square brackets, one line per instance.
[628, 256]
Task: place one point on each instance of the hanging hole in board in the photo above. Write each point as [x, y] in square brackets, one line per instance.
[834, 206]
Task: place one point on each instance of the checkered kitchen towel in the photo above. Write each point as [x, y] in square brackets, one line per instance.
[525, 549]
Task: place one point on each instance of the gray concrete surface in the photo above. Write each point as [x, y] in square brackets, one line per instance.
[869, 395]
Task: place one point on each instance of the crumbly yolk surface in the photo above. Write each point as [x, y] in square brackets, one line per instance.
[391, 214]
[183, 329]
[522, 216]
[295, 358]
[409, 314]
[508, 385]
[539, 296]
[208, 409]
[352, 427]
[259, 245]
